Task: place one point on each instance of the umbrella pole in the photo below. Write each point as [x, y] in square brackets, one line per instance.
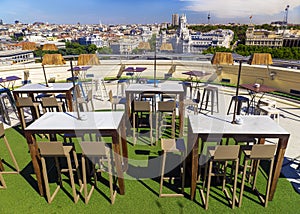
[237, 93]
[155, 64]
[75, 91]
[45, 76]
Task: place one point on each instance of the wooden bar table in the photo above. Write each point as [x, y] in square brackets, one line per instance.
[258, 126]
[162, 88]
[32, 89]
[103, 123]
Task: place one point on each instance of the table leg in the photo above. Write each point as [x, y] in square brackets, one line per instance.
[69, 100]
[191, 92]
[118, 161]
[192, 160]
[34, 158]
[128, 104]
[279, 156]
[181, 114]
[124, 145]
[128, 110]
[1, 166]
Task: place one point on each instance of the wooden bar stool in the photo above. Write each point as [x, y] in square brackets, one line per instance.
[50, 104]
[168, 97]
[56, 150]
[212, 95]
[149, 96]
[115, 100]
[16, 166]
[207, 143]
[86, 100]
[168, 146]
[142, 115]
[257, 153]
[100, 87]
[26, 102]
[194, 103]
[97, 153]
[166, 110]
[221, 155]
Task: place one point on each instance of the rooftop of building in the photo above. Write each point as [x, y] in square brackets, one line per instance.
[289, 120]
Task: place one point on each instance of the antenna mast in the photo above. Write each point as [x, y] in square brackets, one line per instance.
[208, 18]
[285, 19]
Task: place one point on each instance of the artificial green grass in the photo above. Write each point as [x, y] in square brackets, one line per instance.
[141, 194]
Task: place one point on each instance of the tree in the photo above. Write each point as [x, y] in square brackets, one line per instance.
[104, 50]
[91, 49]
[152, 42]
[244, 50]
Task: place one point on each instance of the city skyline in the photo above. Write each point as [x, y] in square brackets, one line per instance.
[148, 12]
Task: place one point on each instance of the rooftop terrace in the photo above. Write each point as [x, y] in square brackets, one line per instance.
[141, 192]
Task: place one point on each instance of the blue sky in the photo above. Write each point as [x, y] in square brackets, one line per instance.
[147, 11]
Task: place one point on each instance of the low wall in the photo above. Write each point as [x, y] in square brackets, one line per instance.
[285, 80]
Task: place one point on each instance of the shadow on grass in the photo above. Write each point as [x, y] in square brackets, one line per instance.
[27, 172]
[18, 129]
[152, 170]
[12, 168]
[291, 171]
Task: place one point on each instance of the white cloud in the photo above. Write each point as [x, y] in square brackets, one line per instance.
[240, 8]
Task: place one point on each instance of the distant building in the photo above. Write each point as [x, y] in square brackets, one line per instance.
[185, 42]
[214, 38]
[261, 37]
[89, 40]
[146, 33]
[16, 57]
[124, 46]
[291, 38]
[280, 38]
[183, 31]
[291, 42]
[175, 19]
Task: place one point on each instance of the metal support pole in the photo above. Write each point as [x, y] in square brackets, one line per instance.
[237, 92]
[75, 91]
[155, 64]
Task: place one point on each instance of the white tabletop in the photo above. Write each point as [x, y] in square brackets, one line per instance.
[161, 87]
[68, 121]
[252, 124]
[42, 87]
